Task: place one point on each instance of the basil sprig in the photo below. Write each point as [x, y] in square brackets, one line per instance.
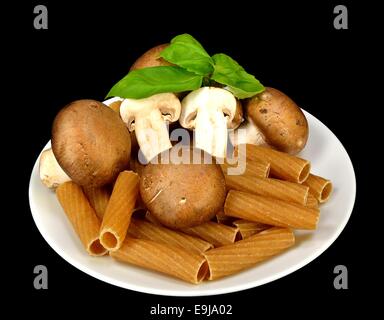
[238, 81]
[146, 82]
[186, 52]
[192, 65]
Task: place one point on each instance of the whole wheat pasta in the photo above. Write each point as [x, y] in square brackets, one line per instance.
[312, 201]
[270, 211]
[228, 260]
[249, 228]
[82, 216]
[145, 230]
[321, 188]
[253, 168]
[283, 190]
[216, 233]
[98, 198]
[283, 165]
[172, 260]
[119, 210]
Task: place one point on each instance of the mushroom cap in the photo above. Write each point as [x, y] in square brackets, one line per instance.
[90, 142]
[183, 195]
[151, 58]
[211, 98]
[279, 119]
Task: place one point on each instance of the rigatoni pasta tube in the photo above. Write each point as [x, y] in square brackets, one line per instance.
[82, 216]
[249, 228]
[119, 210]
[320, 188]
[312, 201]
[216, 233]
[270, 211]
[283, 165]
[145, 230]
[98, 198]
[228, 260]
[283, 190]
[252, 168]
[175, 261]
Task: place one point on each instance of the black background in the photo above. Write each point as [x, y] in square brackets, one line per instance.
[292, 47]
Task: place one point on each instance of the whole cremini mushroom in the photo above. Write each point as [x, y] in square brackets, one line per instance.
[210, 111]
[90, 142]
[151, 58]
[276, 120]
[148, 117]
[184, 194]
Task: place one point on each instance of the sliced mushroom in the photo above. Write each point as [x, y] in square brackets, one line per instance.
[210, 111]
[148, 117]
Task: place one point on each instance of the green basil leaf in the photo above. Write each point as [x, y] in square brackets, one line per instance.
[186, 52]
[238, 81]
[146, 82]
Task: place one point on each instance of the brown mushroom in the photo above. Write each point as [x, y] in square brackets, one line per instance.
[277, 120]
[151, 58]
[90, 142]
[185, 194]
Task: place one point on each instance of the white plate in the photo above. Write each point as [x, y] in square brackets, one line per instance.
[329, 159]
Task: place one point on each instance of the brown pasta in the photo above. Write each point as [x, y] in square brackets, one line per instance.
[216, 233]
[249, 228]
[172, 260]
[270, 211]
[283, 165]
[98, 198]
[253, 168]
[145, 230]
[312, 201]
[119, 210]
[228, 260]
[82, 216]
[320, 188]
[283, 190]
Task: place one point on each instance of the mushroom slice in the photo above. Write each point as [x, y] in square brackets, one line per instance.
[210, 111]
[148, 117]
[51, 174]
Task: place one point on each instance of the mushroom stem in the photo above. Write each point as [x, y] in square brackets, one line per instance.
[210, 111]
[211, 132]
[247, 133]
[51, 174]
[152, 134]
